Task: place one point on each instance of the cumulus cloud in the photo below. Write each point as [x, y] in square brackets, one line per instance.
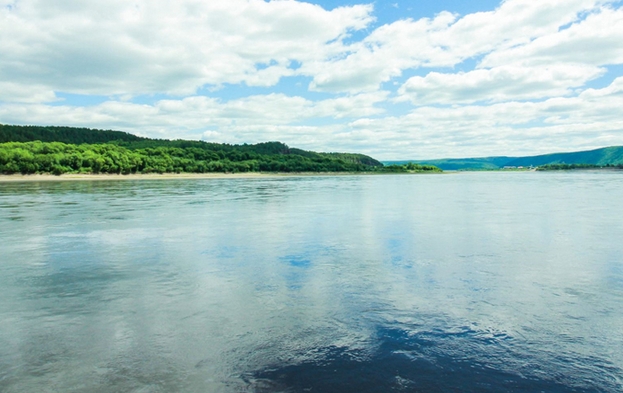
[593, 41]
[16, 92]
[184, 118]
[443, 41]
[155, 46]
[589, 120]
[502, 83]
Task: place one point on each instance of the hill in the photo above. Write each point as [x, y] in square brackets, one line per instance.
[602, 157]
[35, 149]
[458, 164]
[607, 156]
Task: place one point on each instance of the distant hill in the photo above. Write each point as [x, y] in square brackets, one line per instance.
[604, 156]
[457, 164]
[601, 157]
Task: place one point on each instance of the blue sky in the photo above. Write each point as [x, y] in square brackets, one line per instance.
[392, 79]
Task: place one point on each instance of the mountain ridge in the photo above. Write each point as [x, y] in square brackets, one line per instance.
[612, 155]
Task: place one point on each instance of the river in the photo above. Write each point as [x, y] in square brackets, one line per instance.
[464, 282]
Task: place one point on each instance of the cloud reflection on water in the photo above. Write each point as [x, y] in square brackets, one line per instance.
[410, 283]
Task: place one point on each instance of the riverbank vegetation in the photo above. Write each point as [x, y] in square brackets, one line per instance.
[563, 167]
[59, 158]
[410, 168]
[60, 150]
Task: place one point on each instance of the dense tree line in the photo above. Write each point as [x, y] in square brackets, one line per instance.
[562, 166]
[59, 158]
[410, 168]
[58, 150]
[148, 155]
[74, 135]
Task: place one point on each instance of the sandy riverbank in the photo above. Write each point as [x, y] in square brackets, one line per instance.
[156, 176]
[147, 176]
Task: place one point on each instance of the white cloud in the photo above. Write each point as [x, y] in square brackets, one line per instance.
[502, 83]
[120, 47]
[514, 22]
[384, 54]
[184, 118]
[160, 46]
[443, 41]
[15, 92]
[594, 41]
[589, 120]
[351, 106]
[614, 89]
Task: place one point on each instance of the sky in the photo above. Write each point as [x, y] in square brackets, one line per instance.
[396, 80]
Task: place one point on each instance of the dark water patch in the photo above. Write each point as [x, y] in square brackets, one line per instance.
[197, 202]
[73, 282]
[15, 218]
[117, 218]
[69, 203]
[9, 206]
[297, 261]
[423, 362]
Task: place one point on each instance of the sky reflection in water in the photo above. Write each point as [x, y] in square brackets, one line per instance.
[481, 282]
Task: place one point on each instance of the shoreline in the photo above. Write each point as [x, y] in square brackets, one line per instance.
[164, 176]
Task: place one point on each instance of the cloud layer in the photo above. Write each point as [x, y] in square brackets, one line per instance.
[523, 78]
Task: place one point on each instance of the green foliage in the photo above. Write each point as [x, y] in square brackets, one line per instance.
[353, 158]
[11, 133]
[410, 168]
[162, 155]
[58, 150]
[59, 158]
[461, 164]
[559, 167]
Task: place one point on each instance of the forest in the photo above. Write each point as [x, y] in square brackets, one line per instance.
[59, 150]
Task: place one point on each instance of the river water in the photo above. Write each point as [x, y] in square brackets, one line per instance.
[466, 282]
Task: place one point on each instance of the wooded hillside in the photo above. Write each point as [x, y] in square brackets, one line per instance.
[58, 150]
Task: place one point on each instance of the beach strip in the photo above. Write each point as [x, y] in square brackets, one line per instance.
[163, 176]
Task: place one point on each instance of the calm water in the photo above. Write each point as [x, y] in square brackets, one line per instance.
[476, 282]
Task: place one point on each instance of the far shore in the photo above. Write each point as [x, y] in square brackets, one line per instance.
[165, 176]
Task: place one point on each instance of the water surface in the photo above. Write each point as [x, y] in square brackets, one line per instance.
[471, 282]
